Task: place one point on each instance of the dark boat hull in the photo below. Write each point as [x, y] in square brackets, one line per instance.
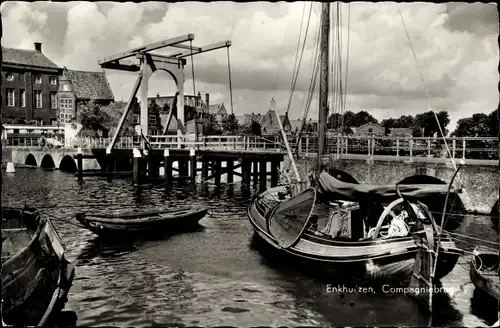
[115, 227]
[379, 261]
[37, 278]
[487, 280]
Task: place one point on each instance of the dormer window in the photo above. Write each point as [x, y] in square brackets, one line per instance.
[38, 79]
[10, 77]
[53, 80]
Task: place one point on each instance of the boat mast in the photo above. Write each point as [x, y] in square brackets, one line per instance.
[323, 77]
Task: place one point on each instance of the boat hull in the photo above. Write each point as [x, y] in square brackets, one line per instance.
[37, 278]
[143, 228]
[486, 280]
[378, 261]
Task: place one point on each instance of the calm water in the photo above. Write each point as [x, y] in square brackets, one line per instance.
[214, 276]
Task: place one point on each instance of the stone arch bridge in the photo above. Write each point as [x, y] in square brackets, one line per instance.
[63, 159]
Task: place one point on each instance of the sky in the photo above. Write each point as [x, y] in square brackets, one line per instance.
[455, 45]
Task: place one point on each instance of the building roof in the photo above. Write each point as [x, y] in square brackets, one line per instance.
[215, 108]
[27, 57]
[89, 85]
[371, 124]
[160, 101]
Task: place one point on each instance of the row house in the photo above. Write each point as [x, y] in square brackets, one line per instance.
[30, 82]
[77, 88]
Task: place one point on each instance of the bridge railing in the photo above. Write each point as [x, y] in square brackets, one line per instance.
[250, 143]
[459, 147]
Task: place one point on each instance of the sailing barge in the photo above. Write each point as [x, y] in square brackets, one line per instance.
[36, 277]
[364, 230]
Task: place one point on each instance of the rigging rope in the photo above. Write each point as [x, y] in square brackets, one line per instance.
[294, 80]
[298, 45]
[280, 62]
[230, 84]
[427, 90]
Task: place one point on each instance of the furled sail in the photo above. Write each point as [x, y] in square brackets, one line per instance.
[289, 219]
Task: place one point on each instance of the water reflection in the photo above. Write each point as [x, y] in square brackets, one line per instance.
[213, 276]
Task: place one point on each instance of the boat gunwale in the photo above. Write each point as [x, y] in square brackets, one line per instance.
[117, 221]
[43, 222]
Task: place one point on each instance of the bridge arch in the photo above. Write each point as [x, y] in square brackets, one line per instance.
[30, 160]
[47, 162]
[342, 176]
[68, 164]
[454, 207]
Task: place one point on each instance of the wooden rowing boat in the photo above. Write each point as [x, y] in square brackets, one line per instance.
[142, 223]
[337, 226]
[36, 277]
[484, 272]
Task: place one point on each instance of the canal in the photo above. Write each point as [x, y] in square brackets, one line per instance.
[214, 276]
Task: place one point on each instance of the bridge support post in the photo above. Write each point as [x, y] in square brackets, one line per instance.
[167, 167]
[204, 169]
[262, 175]
[183, 167]
[274, 173]
[136, 166]
[79, 163]
[153, 166]
[192, 155]
[246, 166]
[255, 171]
[230, 169]
[217, 172]
[109, 165]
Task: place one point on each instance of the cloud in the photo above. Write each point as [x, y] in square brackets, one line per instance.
[455, 44]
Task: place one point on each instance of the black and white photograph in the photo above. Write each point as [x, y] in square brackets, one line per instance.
[250, 164]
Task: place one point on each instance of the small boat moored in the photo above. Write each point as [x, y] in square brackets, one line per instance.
[142, 223]
[484, 272]
[36, 277]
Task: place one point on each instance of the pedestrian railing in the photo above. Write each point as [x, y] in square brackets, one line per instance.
[459, 147]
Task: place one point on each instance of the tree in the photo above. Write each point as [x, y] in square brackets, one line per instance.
[475, 126]
[350, 119]
[361, 118]
[428, 121]
[230, 124]
[255, 128]
[211, 126]
[493, 123]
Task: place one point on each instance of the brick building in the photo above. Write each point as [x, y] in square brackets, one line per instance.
[29, 86]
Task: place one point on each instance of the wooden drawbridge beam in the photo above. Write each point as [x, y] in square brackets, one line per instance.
[211, 47]
[146, 48]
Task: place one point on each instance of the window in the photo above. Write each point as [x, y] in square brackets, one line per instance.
[53, 80]
[53, 100]
[10, 77]
[370, 130]
[38, 79]
[152, 119]
[136, 119]
[10, 97]
[66, 111]
[38, 98]
[23, 97]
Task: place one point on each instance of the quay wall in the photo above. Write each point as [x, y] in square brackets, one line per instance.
[480, 183]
